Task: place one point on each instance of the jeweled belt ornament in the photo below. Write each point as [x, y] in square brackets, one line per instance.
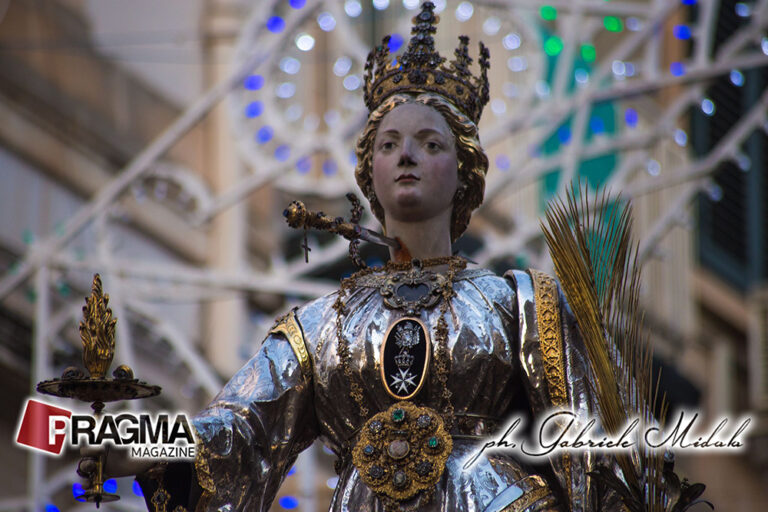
[402, 451]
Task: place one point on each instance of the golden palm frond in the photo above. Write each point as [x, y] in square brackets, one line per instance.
[596, 262]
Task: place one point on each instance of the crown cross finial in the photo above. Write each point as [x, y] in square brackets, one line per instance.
[422, 69]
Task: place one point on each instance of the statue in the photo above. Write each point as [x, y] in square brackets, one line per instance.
[407, 367]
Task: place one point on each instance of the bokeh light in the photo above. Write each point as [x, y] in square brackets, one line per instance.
[613, 24]
[275, 24]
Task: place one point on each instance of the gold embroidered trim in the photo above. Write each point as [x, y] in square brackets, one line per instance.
[535, 492]
[524, 502]
[551, 346]
[204, 478]
[550, 335]
[288, 326]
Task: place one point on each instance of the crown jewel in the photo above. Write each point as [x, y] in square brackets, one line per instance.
[422, 69]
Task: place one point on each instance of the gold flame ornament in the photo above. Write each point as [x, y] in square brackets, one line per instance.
[97, 331]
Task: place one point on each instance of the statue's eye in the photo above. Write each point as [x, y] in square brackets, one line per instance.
[387, 145]
[433, 146]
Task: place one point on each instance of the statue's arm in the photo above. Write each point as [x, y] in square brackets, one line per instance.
[248, 436]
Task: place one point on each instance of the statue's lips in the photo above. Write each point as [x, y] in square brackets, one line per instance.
[407, 177]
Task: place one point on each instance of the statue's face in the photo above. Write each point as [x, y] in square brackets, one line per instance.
[415, 170]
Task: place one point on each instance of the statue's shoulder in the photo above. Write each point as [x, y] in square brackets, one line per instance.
[303, 324]
[531, 282]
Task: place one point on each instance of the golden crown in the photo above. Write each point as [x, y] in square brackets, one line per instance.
[422, 69]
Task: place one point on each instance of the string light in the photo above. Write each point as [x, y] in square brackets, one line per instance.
[288, 502]
[581, 76]
[517, 64]
[332, 117]
[682, 32]
[737, 78]
[596, 125]
[78, 491]
[498, 106]
[395, 42]
[380, 5]
[681, 138]
[708, 106]
[352, 8]
[342, 66]
[110, 486]
[329, 167]
[743, 161]
[653, 167]
[303, 165]
[253, 82]
[714, 192]
[491, 26]
[137, 489]
[631, 117]
[542, 89]
[275, 24]
[285, 90]
[511, 41]
[282, 153]
[677, 69]
[305, 42]
[297, 4]
[352, 82]
[290, 65]
[503, 162]
[547, 12]
[293, 113]
[411, 4]
[326, 21]
[633, 24]
[743, 10]
[464, 11]
[588, 52]
[264, 134]
[613, 24]
[553, 46]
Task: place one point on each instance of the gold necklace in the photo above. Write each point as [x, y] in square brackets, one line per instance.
[402, 452]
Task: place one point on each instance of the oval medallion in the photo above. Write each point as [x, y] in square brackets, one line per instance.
[405, 358]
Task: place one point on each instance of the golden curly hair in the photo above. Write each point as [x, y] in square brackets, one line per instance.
[472, 160]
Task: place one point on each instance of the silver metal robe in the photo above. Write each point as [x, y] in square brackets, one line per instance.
[271, 410]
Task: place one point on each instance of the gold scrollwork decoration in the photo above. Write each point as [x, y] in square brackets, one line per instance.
[97, 331]
[288, 326]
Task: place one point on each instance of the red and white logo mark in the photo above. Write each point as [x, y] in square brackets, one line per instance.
[43, 427]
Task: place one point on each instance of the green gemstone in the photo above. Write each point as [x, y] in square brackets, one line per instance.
[398, 415]
[433, 442]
